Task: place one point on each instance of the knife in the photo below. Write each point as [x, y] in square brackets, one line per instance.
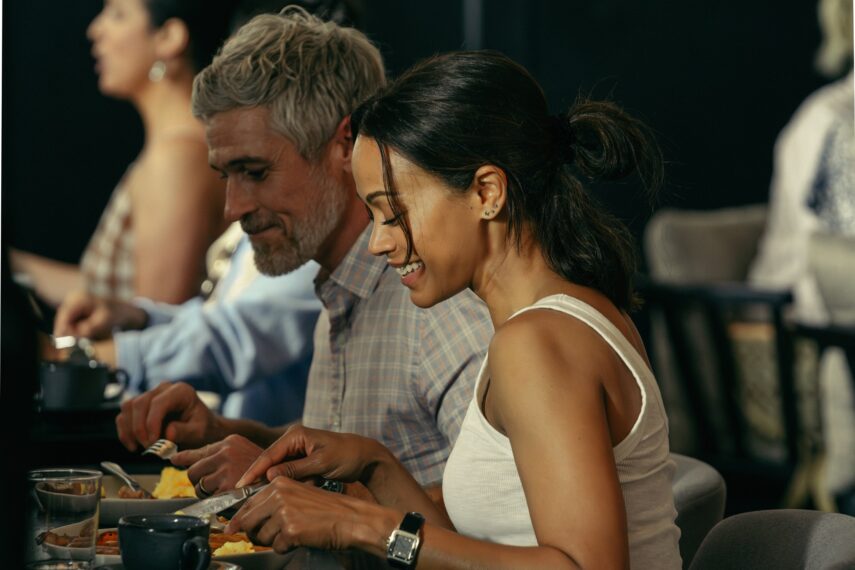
[221, 501]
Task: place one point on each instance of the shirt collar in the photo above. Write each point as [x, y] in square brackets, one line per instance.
[359, 272]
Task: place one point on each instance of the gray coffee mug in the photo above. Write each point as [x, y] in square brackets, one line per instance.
[77, 386]
[164, 541]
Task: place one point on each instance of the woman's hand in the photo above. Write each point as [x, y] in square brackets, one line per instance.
[217, 467]
[288, 514]
[304, 453]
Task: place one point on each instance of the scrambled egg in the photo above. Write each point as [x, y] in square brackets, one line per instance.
[173, 483]
[240, 547]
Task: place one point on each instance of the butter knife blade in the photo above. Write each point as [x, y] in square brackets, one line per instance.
[221, 501]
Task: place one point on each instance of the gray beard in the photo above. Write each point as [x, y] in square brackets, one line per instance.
[307, 235]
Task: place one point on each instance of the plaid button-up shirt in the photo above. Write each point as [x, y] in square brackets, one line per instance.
[386, 369]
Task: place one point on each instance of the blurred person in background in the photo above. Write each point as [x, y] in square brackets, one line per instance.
[168, 207]
[249, 341]
[813, 192]
[248, 337]
[813, 183]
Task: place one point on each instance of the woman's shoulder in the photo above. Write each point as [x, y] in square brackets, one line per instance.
[170, 163]
[185, 147]
[544, 339]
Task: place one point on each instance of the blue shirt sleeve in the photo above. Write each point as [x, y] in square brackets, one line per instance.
[225, 346]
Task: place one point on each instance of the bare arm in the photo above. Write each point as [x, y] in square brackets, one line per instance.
[87, 315]
[52, 279]
[178, 212]
[549, 400]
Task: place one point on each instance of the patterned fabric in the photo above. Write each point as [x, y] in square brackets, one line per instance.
[108, 261]
[386, 369]
[833, 196]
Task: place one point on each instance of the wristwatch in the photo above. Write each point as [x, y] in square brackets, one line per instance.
[402, 546]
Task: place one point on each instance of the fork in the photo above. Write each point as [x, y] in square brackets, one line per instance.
[163, 448]
[122, 474]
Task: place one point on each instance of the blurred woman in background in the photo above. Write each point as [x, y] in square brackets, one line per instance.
[812, 199]
[168, 207]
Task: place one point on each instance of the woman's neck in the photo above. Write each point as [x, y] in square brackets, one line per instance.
[510, 279]
[165, 107]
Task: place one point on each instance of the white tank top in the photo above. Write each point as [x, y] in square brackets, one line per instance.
[483, 492]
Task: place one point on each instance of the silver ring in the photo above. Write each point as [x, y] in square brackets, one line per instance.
[202, 488]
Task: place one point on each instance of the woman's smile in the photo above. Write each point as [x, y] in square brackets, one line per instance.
[411, 272]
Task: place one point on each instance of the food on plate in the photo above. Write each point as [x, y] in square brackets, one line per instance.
[237, 543]
[82, 540]
[126, 492]
[221, 544]
[237, 547]
[173, 484]
[108, 542]
[68, 488]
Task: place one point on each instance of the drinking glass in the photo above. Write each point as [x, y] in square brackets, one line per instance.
[62, 514]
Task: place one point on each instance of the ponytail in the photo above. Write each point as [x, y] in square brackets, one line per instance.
[609, 144]
[583, 243]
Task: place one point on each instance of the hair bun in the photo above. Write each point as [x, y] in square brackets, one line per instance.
[564, 138]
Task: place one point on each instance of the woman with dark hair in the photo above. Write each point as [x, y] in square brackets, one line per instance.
[562, 460]
[168, 207]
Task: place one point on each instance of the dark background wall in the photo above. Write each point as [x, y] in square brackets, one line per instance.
[717, 81]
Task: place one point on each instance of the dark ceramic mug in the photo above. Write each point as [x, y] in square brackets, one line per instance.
[77, 386]
[164, 541]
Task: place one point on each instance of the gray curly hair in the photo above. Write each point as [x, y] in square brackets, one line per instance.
[309, 73]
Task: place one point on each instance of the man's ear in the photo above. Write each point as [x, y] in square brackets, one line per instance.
[489, 191]
[173, 39]
[341, 144]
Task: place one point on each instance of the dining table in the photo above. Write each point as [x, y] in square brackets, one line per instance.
[85, 439]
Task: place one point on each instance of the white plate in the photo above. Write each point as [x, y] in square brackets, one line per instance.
[113, 508]
[68, 552]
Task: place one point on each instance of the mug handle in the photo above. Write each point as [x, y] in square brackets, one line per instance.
[198, 549]
[121, 377]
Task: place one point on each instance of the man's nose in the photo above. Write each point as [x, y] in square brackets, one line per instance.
[238, 201]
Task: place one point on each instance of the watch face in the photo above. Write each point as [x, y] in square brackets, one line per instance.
[402, 548]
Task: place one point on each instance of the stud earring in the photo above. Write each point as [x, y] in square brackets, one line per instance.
[157, 71]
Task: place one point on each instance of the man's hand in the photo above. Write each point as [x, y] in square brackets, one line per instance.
[85, 315]
[170, 410]
[218, 466]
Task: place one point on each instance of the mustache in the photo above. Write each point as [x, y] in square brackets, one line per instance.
[253, 223]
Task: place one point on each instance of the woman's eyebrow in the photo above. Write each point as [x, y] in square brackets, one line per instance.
[370, 197]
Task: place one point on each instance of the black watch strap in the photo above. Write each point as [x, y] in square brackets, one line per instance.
[403, 549]
[412, 523]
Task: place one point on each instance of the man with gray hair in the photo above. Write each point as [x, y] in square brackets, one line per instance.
[276, 103]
